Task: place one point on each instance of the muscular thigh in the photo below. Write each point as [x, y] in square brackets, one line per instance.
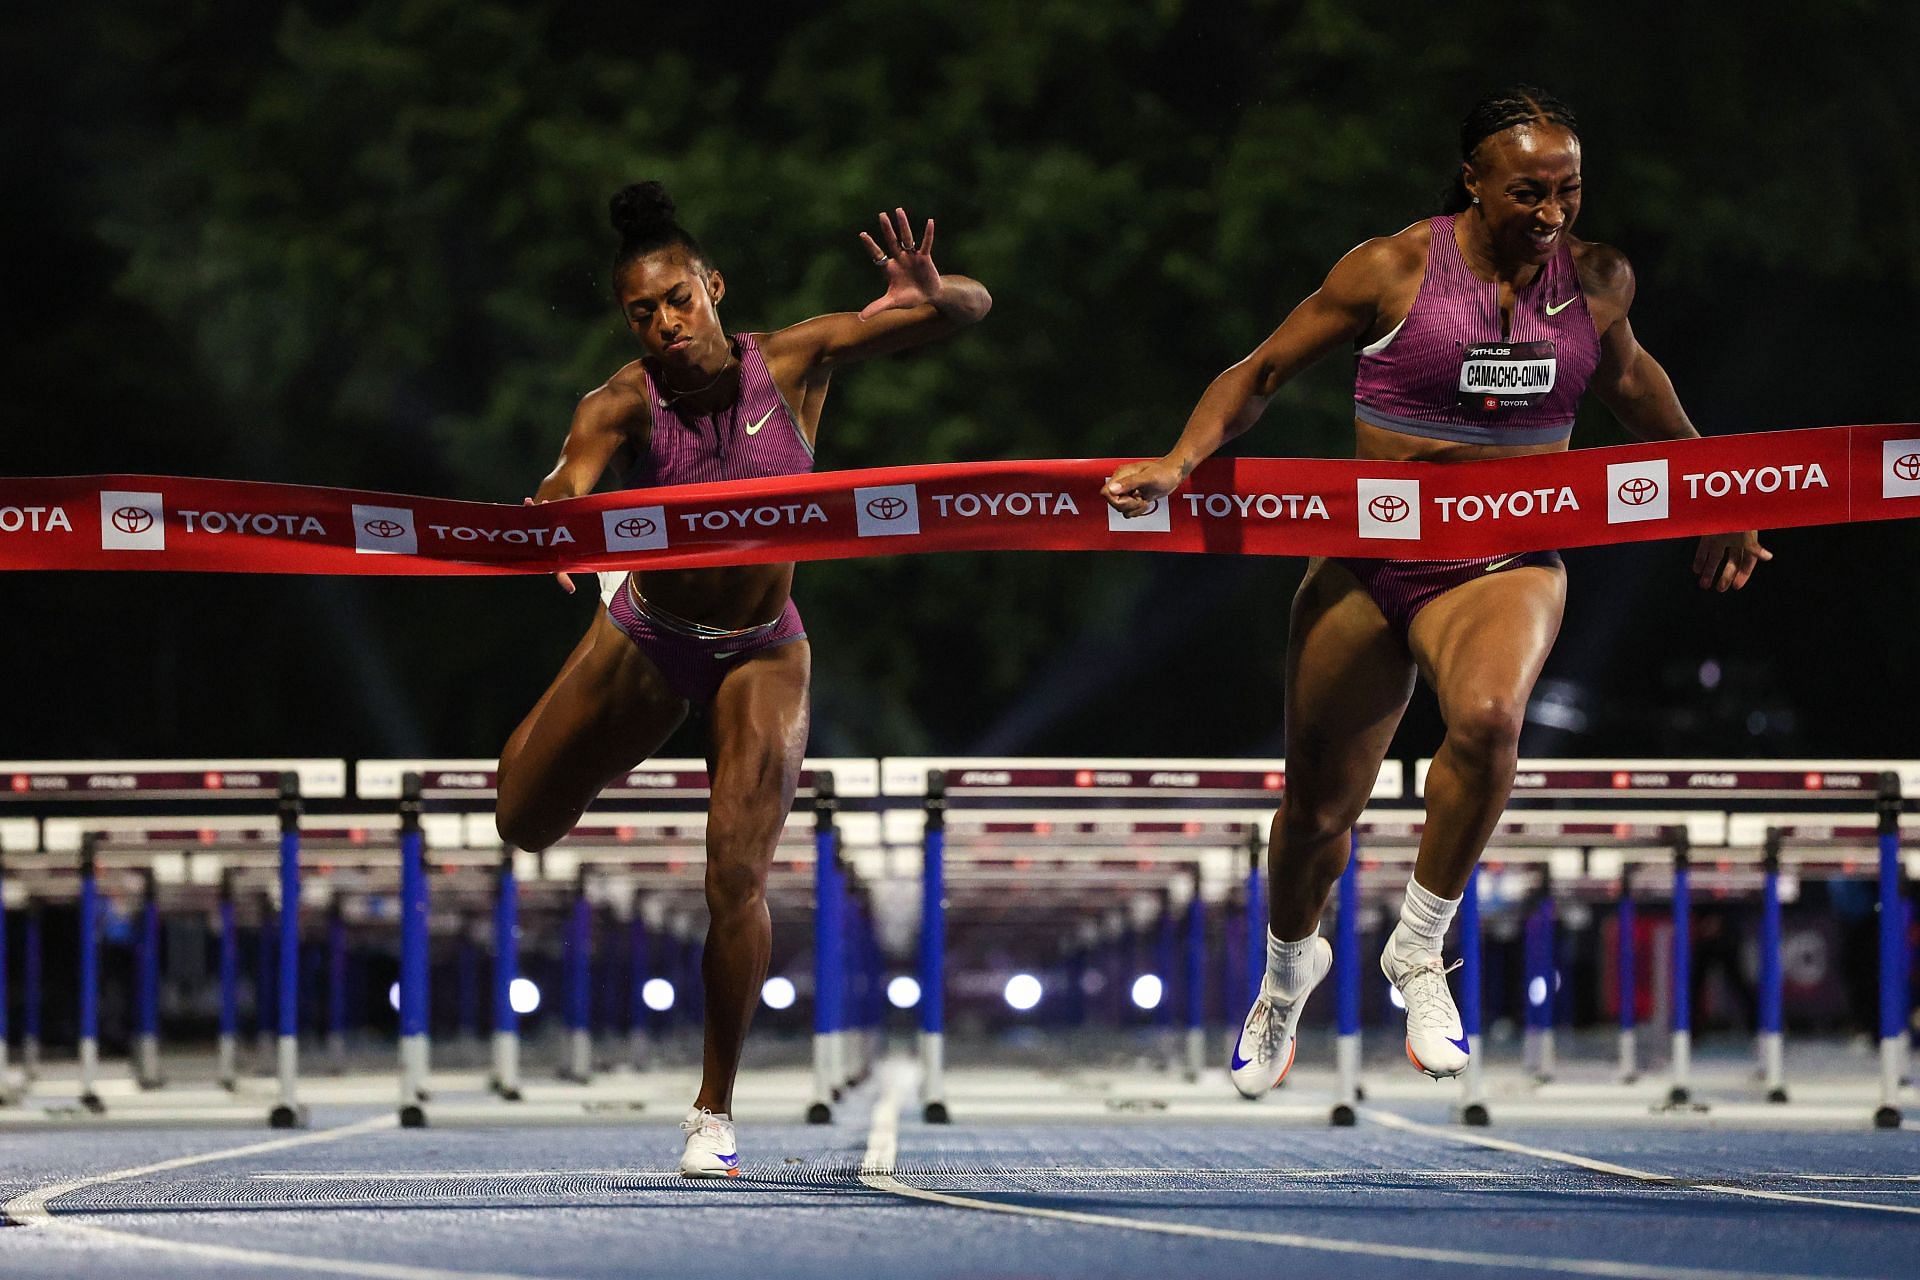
[607, 710]
[1348, 681]
[760, 722]
[1484, 643]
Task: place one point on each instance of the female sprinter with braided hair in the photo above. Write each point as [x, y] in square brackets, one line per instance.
[698, 405]
[1497, 280]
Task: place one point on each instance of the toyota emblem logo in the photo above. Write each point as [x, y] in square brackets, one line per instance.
[133, 519]
[384, 528]
[635, 527]
[1638, 491]
[1907, 466]
[888, 508]
[1388, 508]
[1151, 507]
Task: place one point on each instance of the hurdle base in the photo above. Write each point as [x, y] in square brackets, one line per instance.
[91, 1101]
[1679, 1096]
[1472, 1114]
[936, 1113]
[819, 1113]
[1887, 1118]
[285, 1116]
[1343, 1116]
[413, 1116]
[1777, 1094]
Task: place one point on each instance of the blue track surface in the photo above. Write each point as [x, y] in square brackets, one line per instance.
[602, 1201]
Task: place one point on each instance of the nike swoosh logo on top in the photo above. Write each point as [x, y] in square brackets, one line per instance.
[1498, 565]
[1554, 311]
[754, 430]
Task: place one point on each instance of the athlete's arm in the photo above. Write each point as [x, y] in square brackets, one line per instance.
[605, 421]
[1336, 314]
[919, 305]
[1631, 383]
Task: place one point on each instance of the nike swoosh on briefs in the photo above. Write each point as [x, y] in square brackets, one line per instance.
[754, 430]
[1498, 565]
[1554, 311]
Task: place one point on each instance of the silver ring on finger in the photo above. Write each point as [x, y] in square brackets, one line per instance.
[883, 260]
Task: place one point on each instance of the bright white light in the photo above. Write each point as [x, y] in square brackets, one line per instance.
[657, 994]
[1537, 991]
[903, 992]
[393, 996]
[1394, 997]
[523, 995]
[1147, 990]
[1023, 991]
[778, 993]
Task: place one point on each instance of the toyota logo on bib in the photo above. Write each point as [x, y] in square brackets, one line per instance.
[1907, 466]
[634, 527]
[1638, 492]
[1389, 508]
[133, 519]
[384, 528]
[887, 508]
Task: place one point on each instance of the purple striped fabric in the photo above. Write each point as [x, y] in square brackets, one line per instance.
[1428, 377]
[755, 437]
[1402, 588]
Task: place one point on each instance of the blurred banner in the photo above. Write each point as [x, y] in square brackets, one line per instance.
[1244, 506]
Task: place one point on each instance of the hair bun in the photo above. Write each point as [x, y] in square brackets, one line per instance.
[640, 210]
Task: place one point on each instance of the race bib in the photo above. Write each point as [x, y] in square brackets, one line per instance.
[1497, 376]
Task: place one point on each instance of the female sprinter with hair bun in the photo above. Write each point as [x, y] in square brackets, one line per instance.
[1497, 284]
[701, 405]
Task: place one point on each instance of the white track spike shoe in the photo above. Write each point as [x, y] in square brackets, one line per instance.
[710, 1150]
[1436, 1044]
[1263, 1052]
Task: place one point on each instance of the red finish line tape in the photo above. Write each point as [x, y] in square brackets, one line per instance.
[1243, 506]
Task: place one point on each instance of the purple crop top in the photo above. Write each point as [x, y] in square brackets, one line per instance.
[1448, 373]
[755, 437]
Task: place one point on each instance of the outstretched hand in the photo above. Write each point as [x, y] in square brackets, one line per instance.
[911, 276]
[1724, 561]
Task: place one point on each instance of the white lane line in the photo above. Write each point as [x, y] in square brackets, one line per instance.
[883, 1144]
[1393, 1121]
[30, 1210]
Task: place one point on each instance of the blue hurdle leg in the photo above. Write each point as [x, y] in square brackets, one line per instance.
[89, 929]
[933, 953]
[1346, 978]
[1473, 1092]
[829, 964]
[288, 1113]
[414, 907]
[229, 988]
[1773, 1071]
[506, 967]
[1681, 1090]
[1895, 1050]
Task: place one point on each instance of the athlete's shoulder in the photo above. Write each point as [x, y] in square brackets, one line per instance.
[1604, 270]
[624, 401]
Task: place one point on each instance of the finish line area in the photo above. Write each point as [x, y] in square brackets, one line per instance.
[1626, 1115]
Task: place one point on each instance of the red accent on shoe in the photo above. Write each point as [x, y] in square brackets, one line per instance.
[1291, 1050]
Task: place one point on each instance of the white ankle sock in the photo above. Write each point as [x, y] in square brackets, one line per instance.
[1287, 964]
[1424, 917]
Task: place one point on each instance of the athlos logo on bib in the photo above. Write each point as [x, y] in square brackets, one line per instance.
[1506, 375]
